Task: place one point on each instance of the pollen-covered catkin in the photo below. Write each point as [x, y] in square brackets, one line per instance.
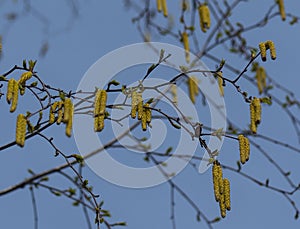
[226, 184]
[193, 88]
[158, 5]
[24, 77]
[247, 148]
[242, 148]
[257, 108]
[144, 121]
[261, 79]
[270, 45]
[15, 95]
[60, 112]
[134, 102]
[264, 46]
[222, 206]
[185, 40]
[99, 109]
[215, 174]
[164, 7]
[69, 123]
[10, 90]
[253, 125]
[67, 110]
[21, 130]
[140, 108]
[220, 83]
[148, 112]
[52, 112]
[204, 15]
[263, 51]
[103, 100]
[281, 9]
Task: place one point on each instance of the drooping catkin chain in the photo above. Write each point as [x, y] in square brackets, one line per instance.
[185, 40]
[204, 16]
[255, 114]
[281, 9]
[21, 130]
[221, 188]
[244, 148]
[264, 46]
[99, 109]
[261, 79]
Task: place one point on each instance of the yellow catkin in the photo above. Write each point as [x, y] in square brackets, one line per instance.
[227, 193]
[69, 123]
[174, 93]
[193, 88]
[67, 110]
[257, 108]
[185, 40]
[100, 123]
[140, 108]
[22, 81]
[103, 101]
[24, 77]
[255, 114]
[247, 148]
[164, 7]
[270, 45]
[21, 130]
[144, 121]
[99, 109]
[263, 51]
[220, 83]
[261, 79]
[222, 206]
[242, 148]
[215, 174]
[281, 9]
[10, 90]
[134, 103]
[158, 5]
[60, 112]
[195, 84]
[148, 112]
[204, 15]
[15, 95]
[264, 46]
[52, 112]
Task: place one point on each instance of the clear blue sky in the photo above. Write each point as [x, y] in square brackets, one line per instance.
[98, 29]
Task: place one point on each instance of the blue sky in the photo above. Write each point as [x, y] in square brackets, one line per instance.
[103, 27]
